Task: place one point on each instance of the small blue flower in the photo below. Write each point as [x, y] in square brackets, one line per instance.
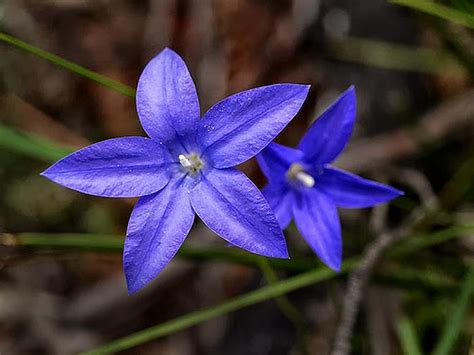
[186, 167]
[304, 186]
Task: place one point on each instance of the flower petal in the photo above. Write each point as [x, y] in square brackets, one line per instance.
[280, 199]
[318, 222]
[232, 206]
[167, 102]
[352, 191]
[328, 135]
[118, 167]
[238, 127]
[275, 160]
[157, 228]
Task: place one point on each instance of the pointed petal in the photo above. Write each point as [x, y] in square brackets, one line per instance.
[280, 199]
[167, 102]
[238, 127]
[275, 160]
[157, 228]
[352, 191]
[329, 134]
[318, 222]
[118, 167]
[232, 206]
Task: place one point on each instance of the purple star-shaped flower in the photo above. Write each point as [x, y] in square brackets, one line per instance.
[187, 167]
[304, 186]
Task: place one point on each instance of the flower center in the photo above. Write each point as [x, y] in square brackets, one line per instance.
[296, 173]
[191, 162]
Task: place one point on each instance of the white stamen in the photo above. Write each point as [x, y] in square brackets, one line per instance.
[305, 179]
[185, 162]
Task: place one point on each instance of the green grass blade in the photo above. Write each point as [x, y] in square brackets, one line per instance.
[114, 244]
[454, 323]
[73, 67]
[29, 145]
[265, 293]
[408, 337]
[427, 240]
[439, 10]
[399, 274]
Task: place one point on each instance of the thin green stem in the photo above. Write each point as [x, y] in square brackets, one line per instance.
[113, 243]
[426, 240]
[439, 10]
[408, 337]
[454, 323]
[71, 66]
[29, 145]
[399, 274]
[251, 298]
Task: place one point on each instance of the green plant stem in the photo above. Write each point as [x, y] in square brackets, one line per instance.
[408, 337]
[66, 64]
[426, 240]
[114, 244]
[454, 323]
[415, 277]
[439, 10]
[392, 272]
[251, 298]
[30, 145]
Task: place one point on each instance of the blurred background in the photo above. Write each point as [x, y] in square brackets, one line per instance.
[62, 289]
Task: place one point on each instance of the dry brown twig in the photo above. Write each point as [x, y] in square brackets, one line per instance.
[360, 277]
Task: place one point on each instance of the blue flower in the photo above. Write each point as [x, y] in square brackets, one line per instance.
[186, 167]
[304, 186]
